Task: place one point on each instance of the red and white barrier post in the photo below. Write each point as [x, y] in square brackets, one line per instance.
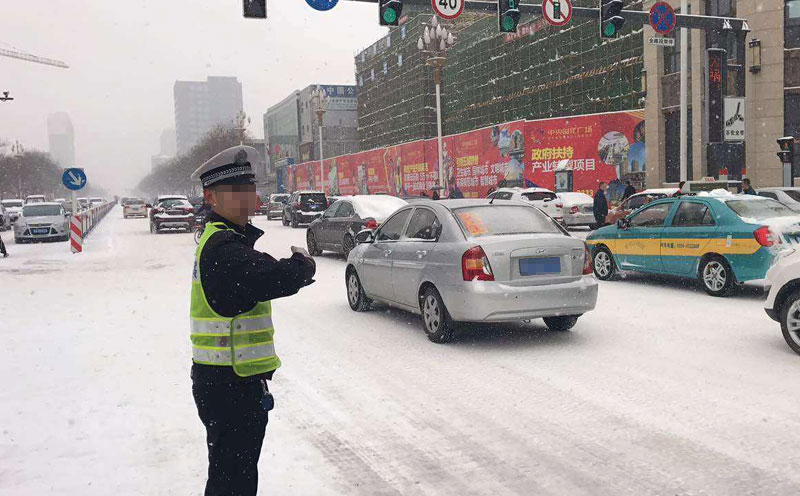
[76, 234]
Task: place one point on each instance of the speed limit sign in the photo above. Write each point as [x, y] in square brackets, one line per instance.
[448, 9]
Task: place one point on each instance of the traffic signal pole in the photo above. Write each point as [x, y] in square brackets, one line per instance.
[633, 16]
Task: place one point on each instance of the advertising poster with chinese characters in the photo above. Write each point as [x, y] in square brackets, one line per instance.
[603, 147]
[342, 176]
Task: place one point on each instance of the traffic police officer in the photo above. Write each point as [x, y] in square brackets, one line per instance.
[232, 333]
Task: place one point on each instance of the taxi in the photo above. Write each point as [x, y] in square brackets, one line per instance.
[721, 239]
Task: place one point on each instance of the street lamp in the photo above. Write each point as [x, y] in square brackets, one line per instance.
[755, 55]
[320, 102]
[17, 150]
[433, 43]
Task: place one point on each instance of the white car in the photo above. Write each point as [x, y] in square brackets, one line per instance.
[788, 196]
[13, 207]
[543, 198]
[5, 219]
[783, 302]
[578, 209]
[34, 199]
[134, 207]
[42, 221]
[96, 201]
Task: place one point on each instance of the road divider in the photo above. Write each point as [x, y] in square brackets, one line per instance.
[83, 222]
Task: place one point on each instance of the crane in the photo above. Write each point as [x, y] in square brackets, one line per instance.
[31, 58]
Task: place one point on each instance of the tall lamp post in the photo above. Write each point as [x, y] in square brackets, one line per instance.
[242, 122]
[320, 101]
[433, 43]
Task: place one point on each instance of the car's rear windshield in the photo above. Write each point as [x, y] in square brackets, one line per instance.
[539, 196]
[498, 220]
[135, 202]
[12, 203]
[174, 203]
[40, 210]
[313, 197]
[759, 209]
[793, 194]
[280, 198]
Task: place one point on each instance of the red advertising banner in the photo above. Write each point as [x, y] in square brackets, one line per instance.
[603, 147]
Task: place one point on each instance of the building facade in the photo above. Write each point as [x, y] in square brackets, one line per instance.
[201, 105]
[61, 139]
[282, 131]
[763, 69]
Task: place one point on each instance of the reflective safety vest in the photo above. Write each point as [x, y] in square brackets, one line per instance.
[244, 342]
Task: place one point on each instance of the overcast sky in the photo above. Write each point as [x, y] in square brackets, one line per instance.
[124, 57]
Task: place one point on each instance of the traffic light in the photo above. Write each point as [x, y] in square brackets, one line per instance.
[611, 19]
[255, 9]
[389, 13]
[786, 145]
[508, 15]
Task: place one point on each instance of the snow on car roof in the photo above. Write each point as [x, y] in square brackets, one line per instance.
[378, 206]
[308, 192]
[663, 191]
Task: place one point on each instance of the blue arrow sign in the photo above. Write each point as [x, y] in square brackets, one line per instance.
[74, 179]
[322, 4]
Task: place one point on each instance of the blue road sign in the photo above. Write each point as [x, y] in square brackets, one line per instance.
[322, 4]
[74, 179]
[663, 18]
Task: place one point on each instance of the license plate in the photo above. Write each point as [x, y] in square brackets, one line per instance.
[539, 266]
[41, 230]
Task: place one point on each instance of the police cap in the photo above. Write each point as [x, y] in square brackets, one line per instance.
[231, 166]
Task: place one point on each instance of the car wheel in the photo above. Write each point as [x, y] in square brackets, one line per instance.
[790, 321]
[603, 264]
[716, 276]
[153, 228]
[295, 224]
[435, 319]
[562, 323]
[18, 241]
[347, 245]
[284, 220]
[355, 292]
[311, 241]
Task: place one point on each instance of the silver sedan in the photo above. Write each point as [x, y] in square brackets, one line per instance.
[472, 261]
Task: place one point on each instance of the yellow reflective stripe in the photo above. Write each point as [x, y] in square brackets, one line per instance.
[239, 340]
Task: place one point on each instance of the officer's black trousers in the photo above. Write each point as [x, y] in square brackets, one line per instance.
[235, 423]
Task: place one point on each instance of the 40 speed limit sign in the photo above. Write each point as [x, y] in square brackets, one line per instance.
[448, 9]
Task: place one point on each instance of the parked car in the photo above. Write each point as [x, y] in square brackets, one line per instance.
[468, 260]
[94, 201]
[303, 207]
[720, 240]
[637, 200]
[337, 228]
[273, 207]
[5, 219]
[14, 208]
[84, 204]
[788, 196]
[172, 214]
[45, 221]
[60, 200]
[578, 209]
[134, 207]
[783, 302]
[543, 198]
[34, 199]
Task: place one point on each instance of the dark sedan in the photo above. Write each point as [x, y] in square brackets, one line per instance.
[337, 228]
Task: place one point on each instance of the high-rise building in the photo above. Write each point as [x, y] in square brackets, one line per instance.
[201, 105]
[168, 142]
[61, 139]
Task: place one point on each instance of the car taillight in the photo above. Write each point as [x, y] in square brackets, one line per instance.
[297, 205]
[371, 224]
[765, 237]
[475, 265]
[587, 260]
[559, 205]
[574, 209]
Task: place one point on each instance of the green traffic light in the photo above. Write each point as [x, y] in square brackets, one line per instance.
[508, 23]
[609, 29]
[389, 15]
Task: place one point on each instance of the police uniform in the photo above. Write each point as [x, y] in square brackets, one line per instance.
[232, 334]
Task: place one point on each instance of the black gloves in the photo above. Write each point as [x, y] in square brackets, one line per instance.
[308, 268]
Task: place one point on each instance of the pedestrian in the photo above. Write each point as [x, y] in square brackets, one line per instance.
[600, 207]
[456, 193]
[3, 249]
[747, 188]
[423, 194]
[435, 195]
[629, 190]
[680, 189]
[232, 331]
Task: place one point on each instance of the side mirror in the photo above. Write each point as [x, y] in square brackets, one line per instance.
[623, 224]
[365, 236]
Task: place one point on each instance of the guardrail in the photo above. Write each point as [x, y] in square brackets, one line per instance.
[84, 221]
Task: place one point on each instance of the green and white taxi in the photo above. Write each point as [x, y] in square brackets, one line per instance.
[722, 239]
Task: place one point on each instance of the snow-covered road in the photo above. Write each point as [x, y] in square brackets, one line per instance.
[661, 390]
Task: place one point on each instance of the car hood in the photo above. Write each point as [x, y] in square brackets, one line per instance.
[603, 233]
[44, 219]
